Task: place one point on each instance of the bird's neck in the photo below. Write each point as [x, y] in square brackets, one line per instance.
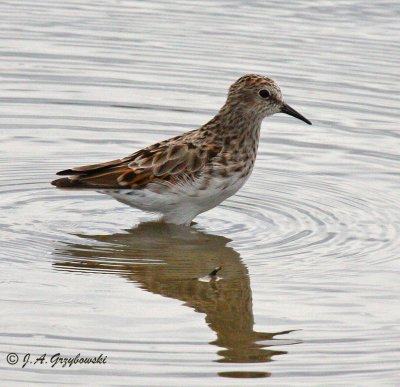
[235, 125]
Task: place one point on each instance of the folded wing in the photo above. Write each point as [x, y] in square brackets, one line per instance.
[159, 163]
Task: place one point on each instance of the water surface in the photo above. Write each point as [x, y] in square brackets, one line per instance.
[309, 248]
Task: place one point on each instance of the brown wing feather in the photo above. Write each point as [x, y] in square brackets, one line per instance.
[88, 168]
[160, 163]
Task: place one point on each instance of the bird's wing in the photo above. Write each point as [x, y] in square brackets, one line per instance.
[159, 163]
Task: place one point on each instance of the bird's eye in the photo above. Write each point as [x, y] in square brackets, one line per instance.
[264, 93]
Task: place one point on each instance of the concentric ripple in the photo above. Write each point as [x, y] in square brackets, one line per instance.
[309, 248]
[308, 218]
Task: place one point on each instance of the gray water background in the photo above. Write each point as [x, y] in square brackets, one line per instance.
[309, 248]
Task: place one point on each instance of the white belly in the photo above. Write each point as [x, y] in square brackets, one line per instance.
[180, 205]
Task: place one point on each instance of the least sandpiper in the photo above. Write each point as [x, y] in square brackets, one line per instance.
[186, 175]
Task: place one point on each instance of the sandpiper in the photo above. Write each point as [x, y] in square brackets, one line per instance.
[186, 175]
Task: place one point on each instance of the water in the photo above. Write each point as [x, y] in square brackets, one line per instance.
[309, 248]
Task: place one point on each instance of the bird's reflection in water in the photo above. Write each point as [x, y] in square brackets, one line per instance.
[169, 260]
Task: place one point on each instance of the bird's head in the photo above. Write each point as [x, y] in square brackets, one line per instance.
[260, 96]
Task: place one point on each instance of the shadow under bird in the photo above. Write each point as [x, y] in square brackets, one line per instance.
[186, 175]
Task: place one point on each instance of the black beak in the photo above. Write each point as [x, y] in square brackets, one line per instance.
[289, 110]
